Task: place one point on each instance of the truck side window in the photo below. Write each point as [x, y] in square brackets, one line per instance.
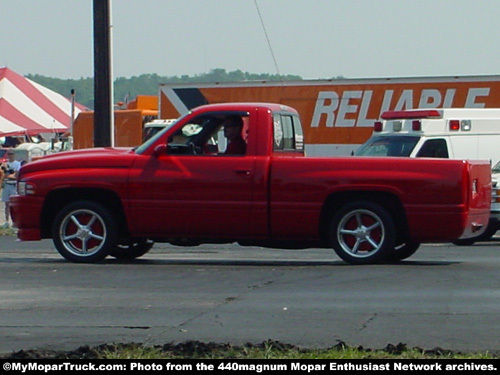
[434, 148]
[278, 132]
[287, 133]
[299, 135]
[198, 137]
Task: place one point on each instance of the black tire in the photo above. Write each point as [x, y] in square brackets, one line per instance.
[363, 232]
[84, 232]
[490, 231]
[131, 251]
[465, 241]
[403, 251]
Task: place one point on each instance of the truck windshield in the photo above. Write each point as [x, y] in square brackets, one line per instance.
[388, 146]
[140, 149]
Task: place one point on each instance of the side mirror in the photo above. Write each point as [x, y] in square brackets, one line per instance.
[160, 150]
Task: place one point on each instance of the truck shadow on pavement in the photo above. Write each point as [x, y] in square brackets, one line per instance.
[272, 263]
[220, 262]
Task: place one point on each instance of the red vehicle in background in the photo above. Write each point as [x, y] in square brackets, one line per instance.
[3, 155]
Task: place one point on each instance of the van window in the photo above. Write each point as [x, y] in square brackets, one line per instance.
[388, 146]
[496, 168]
[434, 148]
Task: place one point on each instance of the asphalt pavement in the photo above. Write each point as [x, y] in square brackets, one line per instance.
[444, 296]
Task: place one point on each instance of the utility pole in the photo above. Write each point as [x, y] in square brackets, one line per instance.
[103, 114]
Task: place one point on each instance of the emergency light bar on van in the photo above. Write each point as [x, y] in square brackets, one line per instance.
[404, 115]
[415, 115]
[456, 125]
[395, 119]
[397, 126]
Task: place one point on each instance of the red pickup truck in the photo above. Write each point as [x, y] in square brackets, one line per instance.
[182, 187]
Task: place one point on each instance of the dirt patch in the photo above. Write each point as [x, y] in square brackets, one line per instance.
[198, 349]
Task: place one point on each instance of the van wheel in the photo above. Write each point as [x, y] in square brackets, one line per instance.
[403, 251]
[362, 232]
[132, 250]
[84, 232]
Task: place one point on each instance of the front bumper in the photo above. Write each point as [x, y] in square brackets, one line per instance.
[26, 213]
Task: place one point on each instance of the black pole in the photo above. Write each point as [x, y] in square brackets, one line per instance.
[102, 75]
[72, 112]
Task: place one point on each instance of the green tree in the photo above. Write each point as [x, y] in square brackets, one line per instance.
[146, 84]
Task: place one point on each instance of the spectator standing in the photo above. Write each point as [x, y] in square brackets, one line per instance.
[9, 183]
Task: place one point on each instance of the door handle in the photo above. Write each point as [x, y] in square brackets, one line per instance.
[243, 172]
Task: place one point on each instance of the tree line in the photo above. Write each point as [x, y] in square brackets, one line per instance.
[146, 84]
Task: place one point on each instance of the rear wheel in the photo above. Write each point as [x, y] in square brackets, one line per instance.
[362, 232]
[465, 241]
[84, 232]
[132, 250]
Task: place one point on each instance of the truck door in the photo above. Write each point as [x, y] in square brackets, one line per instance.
[194, 189]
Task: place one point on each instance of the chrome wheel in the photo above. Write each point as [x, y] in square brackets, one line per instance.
[362, 232]
[84, 231]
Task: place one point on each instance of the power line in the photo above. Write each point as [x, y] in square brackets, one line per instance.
[267, 38]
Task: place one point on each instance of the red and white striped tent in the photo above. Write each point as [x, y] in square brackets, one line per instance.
[29, 108]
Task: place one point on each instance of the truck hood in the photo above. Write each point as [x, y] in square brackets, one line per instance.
[107, 157]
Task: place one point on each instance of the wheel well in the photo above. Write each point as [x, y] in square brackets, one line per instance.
[387, 200]
[59, 198]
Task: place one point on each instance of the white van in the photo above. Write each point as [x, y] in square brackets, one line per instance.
[455, 133]
[495, 197]
[155, 126]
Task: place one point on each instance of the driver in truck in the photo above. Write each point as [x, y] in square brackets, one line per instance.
[233, 126]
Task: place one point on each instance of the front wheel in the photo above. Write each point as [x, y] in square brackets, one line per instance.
[362, 232]
[84, 232]
[131, 250]
[403, 251]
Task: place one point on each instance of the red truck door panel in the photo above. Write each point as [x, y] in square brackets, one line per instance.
[187, 195]
[194, 187]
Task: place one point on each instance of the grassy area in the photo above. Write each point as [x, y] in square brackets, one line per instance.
[265, 350]
[7, 232]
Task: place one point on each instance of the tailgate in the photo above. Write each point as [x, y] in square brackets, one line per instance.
[477, 175]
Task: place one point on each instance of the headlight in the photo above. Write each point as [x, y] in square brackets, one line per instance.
[25, 188]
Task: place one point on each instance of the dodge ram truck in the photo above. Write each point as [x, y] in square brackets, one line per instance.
[183, 187]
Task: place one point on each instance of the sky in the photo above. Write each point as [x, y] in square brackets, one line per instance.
[314, 39]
